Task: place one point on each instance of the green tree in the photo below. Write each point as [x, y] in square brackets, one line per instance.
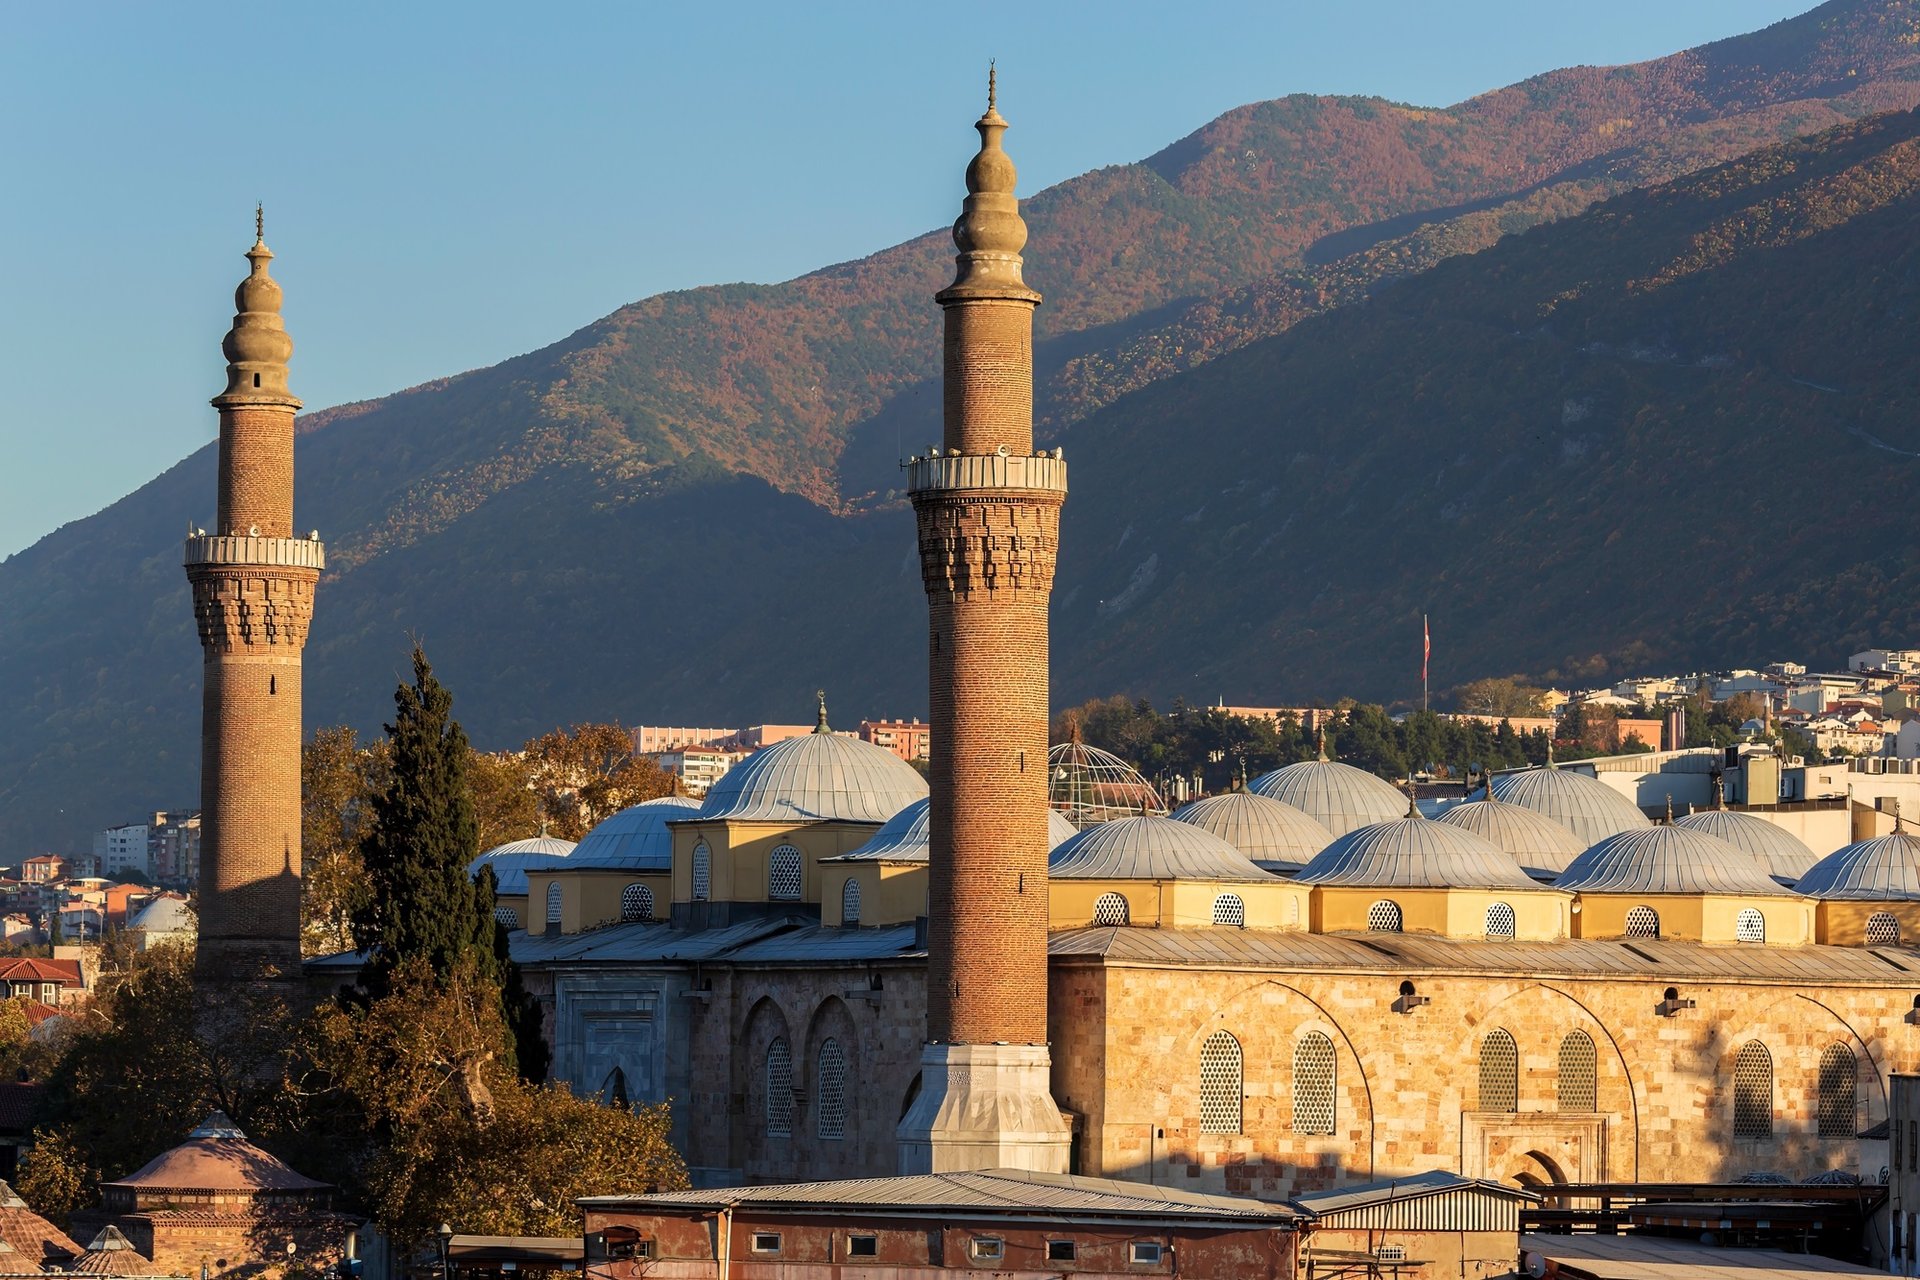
[339, 778]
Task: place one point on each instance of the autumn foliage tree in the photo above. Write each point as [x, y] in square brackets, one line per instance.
[339, 777]
[588, 773]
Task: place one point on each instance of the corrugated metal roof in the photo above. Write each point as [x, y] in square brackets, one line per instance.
[1386, 1190]
[1260, 827]
[639, 943]
[817, 777]
[1784, 854]
[1414, 853]
[820, 943]
[1667, 860]
[1533, 840]
[1337, 796]
[1583, 805]
[1149, 848]
[635, 839]
[1883, 869]
[906, 835]
[1643, 1257]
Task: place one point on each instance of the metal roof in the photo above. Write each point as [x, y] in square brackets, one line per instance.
[796, 939]
[1337, 796]
[1260, 827]
[1883, 869]
[635, 839]
[1417, 853]
[1533, 840]
[1150, 848]
[1667, 860]
[511, 861]
[1646, 1257]
[1782, 853]
[1391, 1190]
[1583, 805]
[905, 836]
[817, 777]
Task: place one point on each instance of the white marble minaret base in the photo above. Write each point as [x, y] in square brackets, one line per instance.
[984, 1106]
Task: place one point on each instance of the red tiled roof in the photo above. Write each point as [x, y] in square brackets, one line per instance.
[112, 1254]
[31, 1236]
[34, 969]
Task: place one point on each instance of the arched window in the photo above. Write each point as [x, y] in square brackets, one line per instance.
[783, 874]
[1643, 922]
[1111, 909]
[1293, 909]
[702, 872]
[850, 901]
[1383, 917]
[1220, 1084]
[1229, 910]
[1753, 1091]
[1839, 1076]
[1749, 926]
[1578, 1084]
[1313, 1084]
[1501, 922]
[831, 1081]
[507, 916]
[1499, 1072]
[779, 1089]
[553, 902]
[1883, 930]
[636, 903]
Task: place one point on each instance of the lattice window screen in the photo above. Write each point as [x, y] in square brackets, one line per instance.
[783, 874]
[1229, 910]
[553, 904]
[1839, 1074]
[507, 916]
[850, 902]
[1499, 1072]
[1110, 909]
[1749, 926]
[1501, 922]
[832, 1078]
[1293, 910]
[636, 903]
[1882, 930]
[1578, 1085]
[1753, 1091]
[1383, 917]
[1643, 922]
[779, 1089]
[1313, 1083]
[1220, 1084]
[702, 872]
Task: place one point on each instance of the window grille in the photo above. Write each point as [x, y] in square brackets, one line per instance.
[636, 902]
[1293, 909]
[1383, 917]
[1749, 926]
[831, 1076]
[553, 903]
[1229, 910]
[1110, 909]
[783, 874]
[1501, 922]
[1643, 922]
[1220, 1084]
[1499, 1072]
[850, 902]
[1882, 930]
[1839, 1074]
[1391, 1253]
[1578, 1085]
[1313, 1084]
[507, 916]
[1753, 1091]
[702, 872]
[779, 1089]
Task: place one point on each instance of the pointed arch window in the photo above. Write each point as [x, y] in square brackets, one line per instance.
[702, 872]
[554, 902]
[1229, 910]
[636, 903]
[1111, 909]
[1577, 1087]
[1221, 1084]
[1501, 922]
[850, 901]
[783, 874]
[1883, 930]
[1643, 922]
[779, 1089]
[1383, 917]
[1753, 1091]
[1499, 1071]
[831, 1082]
[1313, 1082]
[1839, 1082]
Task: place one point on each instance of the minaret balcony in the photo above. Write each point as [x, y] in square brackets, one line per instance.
[249, 549]
[1044, 473]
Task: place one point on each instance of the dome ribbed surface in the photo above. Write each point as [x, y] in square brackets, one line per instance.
[1667, 860]
[1337, 796]
[819, 777]
[1883, 869]
[904, 838]
[635, 839]
[1258, 826]
[1783, 854]
[1585, 806]
[1150, 848]
[1531, 839]
[511, 861]
[1414, 853]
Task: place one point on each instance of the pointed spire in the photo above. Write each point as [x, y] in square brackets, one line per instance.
[821, 725]
[989, 232]
[992, 84]
[1320, 737]
[260, 223]
[1669, 808]
[1413, 802]
[257, 346]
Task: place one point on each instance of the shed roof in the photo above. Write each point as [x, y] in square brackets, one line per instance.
[1391, 1190]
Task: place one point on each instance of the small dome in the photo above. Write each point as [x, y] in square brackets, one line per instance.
[1585, 806]
[818, 777]
[1089, 785]
[1414, 853]
[1149, 848]
[903, 837]
[635, 839]
[1533, 840]
[217, 1157]
[511, 861]
[167, 914]
[1883, 869]
[1781, 852]
[1337, 796]
[1262, 828]
[1667, 860]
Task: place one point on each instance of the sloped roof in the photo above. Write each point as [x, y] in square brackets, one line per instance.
[1667, 860]
[31, 1236]
[1783, 854]
[1262, 828]
[1411, 1187]
[1414, 852]
[112, 1254]
[817, 777]
[1149, 848]
[34, 969]
[1531, 839]
[216, 1157]
[1337, 796]
[635, 839]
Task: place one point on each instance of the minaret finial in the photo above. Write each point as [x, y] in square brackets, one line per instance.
[260, 222]
[1669, 808]
[992, 86]
[1320, 736]
[821, 726]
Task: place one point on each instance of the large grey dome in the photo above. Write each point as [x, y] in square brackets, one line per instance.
[510, 861]
[1414, 852]
[1531, 839]
[904, 838]
[1337, 796]
[1883, 869]
[1667, 860]
[1150, 848]
[1262, 828]
[817, 777]
[1585, 806]
[635, 839]
[1781, 852]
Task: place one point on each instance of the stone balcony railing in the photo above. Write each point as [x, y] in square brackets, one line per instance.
[292, 553]
[1042, 472]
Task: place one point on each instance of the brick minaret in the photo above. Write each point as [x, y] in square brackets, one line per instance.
[988, 510]
[253, 585]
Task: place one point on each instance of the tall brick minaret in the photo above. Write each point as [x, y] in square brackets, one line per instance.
[988, 511]
[253, 583]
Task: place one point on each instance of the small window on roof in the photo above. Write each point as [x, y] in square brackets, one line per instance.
[1229, 910]
[1145, 1253]
[1883, 930]
[1643, 922]
[783, 874]
[863, 1246]
[1110, 909]
[766, 1242]
[1501, 922]
[702, 871]
[1749, 926]
[850, 901]
[553, 902]
[1383, 917]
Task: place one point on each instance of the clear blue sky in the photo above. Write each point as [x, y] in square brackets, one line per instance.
[448, 185]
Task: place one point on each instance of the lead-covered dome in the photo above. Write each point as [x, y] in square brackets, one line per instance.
[1262, 828]
[1585, 806]
[635, 839]
[818, 777]
[904, 837]
[1781, 852]
[1149, 848]
[1535, 841]
[1667, 860]
[1883, 869]
[1337, 796]
[511, 861]
[1413, 852]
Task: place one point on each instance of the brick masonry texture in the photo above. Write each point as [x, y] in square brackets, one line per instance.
[256, 470]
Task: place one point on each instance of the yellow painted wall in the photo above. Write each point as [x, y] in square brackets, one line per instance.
[514, 902]
[1706, 918]
[588, 899]
[740, 852]
[890, 892]
[1845, 923]
[1267, 904]
[1539, 914]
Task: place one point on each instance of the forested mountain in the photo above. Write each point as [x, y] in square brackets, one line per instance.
[1295, 409]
